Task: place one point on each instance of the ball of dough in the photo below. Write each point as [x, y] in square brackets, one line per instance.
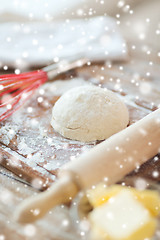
[89, 113]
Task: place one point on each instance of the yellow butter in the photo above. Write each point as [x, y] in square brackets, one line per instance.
[145, 232]
[122, 217]
[150, 199]
[101, 194]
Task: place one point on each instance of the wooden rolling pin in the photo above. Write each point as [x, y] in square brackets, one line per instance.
[110, 160]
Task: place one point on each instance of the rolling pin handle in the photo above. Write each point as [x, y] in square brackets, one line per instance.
[36, 207]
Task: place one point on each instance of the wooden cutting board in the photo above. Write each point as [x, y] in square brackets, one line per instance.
[31, 149]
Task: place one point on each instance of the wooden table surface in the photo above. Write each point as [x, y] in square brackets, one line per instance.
[53, 226]
[14, 189]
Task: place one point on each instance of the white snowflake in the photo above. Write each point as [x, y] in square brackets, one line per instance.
[37, 183]
[2, 237]
[155, 174]
[30, 230]
[145, 88]
[140, 184]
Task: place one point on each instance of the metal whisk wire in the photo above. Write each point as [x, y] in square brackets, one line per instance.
[16, 89]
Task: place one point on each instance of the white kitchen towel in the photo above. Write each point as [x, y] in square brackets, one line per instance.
[39, 43]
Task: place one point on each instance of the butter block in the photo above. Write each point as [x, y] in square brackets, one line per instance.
[101, 194]
[122, 217]
[150, 199]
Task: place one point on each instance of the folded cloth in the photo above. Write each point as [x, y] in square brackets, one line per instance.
[39, 43]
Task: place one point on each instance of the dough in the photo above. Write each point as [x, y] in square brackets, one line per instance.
[89, 113]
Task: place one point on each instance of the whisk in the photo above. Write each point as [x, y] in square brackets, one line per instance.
[16, 89]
